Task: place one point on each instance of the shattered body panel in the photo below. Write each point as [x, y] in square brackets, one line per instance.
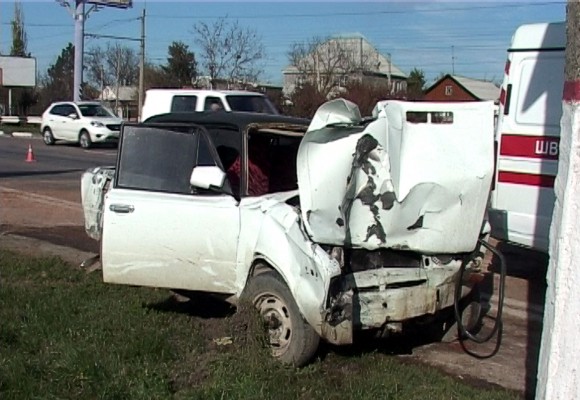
[399, 294]
[272, 232]
[94, 184]
[399, 184]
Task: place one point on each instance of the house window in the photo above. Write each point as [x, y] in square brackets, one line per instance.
[448, 90]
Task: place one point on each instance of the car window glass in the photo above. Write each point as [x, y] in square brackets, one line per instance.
[257, 104]
[185, 103]
[204, 156]
[213, 104]
[68, 110]
[58, 110]
[94, 110]
[157, 159]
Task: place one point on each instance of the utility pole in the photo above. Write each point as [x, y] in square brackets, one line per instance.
[141, 65]
[389, 73]
[79, 16]
[77, 9]
[560, 348]
[452, 60]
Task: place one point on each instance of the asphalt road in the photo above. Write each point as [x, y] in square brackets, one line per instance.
[57, 168]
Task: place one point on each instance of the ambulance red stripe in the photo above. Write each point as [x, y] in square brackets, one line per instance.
[543, 147]
[521, 178]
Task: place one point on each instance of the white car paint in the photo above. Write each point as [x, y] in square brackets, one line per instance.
[161, 101]
[101, 128]
[204, 232]
[211, 243]
[410, 186]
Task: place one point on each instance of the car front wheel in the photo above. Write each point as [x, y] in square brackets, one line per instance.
[85, 140]
[292, 339]
[47, 136]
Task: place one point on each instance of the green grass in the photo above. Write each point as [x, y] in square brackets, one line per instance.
[66, 335]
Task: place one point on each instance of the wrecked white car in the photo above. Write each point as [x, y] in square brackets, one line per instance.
[328, 227]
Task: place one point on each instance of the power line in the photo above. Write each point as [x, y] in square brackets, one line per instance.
[355, 14]
[39, 25]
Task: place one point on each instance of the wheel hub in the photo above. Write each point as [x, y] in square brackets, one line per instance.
[277, 318]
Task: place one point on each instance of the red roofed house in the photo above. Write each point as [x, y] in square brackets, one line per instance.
[459, 88]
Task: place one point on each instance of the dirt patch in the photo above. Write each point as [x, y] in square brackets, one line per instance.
[69, 236]
[41, 248]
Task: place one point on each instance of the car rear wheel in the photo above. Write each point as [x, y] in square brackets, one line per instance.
[85, 140]
[47, 136]
[292, 339]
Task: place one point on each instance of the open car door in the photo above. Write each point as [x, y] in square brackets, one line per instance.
[169, 221]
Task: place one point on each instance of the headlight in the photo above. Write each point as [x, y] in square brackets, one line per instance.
[97, 124]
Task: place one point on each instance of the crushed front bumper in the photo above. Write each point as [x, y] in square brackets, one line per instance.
[374, 298]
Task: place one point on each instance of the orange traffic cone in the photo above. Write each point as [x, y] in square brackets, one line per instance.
[30, 155]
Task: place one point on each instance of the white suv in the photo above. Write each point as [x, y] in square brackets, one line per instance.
[162, 101]
[81, 122]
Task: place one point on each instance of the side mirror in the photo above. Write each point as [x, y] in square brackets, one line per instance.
[207, 177]
[73, 116]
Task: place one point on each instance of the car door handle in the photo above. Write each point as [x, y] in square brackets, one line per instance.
[121, 208]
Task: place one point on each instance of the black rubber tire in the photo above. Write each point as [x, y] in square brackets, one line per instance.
[303, 340]
[47, 137]
[85, 140]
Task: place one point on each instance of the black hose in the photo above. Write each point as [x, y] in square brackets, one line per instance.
[497, 327]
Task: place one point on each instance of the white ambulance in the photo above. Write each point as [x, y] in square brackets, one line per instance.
[527, 135]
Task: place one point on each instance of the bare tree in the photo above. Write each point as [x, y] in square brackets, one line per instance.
[328, 63]
[114, 65]
[95, 63]
[122, 64]
[228, 51]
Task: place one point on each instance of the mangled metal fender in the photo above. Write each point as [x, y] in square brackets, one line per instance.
[272, 232]
[94, 185]
[408, 180]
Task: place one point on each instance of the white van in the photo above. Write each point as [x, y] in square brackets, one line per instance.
[527, 135]
[162, 101]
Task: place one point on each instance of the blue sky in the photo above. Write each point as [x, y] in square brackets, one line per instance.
[470, 37]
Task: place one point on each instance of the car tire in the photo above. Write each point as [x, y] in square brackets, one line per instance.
[85, 140]
[292, 340]
[48, 137]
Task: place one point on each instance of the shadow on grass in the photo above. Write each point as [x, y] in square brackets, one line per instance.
[367, 343]
[195, 305]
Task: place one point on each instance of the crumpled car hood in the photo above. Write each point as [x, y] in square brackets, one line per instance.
[420, 186]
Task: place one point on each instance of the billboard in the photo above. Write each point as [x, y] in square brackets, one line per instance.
[112, 3]
[17, 71]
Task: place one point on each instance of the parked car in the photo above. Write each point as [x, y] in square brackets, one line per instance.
[327, 227]
[80, 122]
[162, 101]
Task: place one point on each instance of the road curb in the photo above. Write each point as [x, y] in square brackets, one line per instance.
[22, 134]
